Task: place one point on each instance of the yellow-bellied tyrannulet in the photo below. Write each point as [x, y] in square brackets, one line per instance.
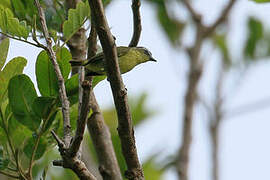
[128, 58]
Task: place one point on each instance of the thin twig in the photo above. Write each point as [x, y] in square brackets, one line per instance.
[125, 127]
[223, 16]
[73, 163]
[61, 83]
[60, 143]
[137, 24]
[23, 40]
[195, 16]
[30, 168]
[215, 123]
[9, 175]
[81, 122]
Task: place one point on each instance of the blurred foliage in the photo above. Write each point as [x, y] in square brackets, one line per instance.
[261, 1]
[257, 45]
[140, 114]
[222, 45]
[255, 34]
[172, 26]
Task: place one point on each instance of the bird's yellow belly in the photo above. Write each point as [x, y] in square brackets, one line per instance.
[126, 64]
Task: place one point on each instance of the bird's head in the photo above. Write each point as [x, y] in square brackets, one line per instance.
[146, 54]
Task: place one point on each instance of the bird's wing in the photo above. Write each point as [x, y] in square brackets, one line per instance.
[96, 58]
[121, 51]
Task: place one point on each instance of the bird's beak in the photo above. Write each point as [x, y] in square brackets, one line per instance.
[152, 59]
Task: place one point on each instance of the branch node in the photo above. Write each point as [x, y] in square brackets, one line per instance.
[133, 173]
[60, 143]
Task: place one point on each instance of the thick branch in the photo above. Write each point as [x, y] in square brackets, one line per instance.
[73, 163]
[195, 73]
[81, 122]
[137, 24]
[125, 128]
[100, 134]
[196, 70]
[61, 83]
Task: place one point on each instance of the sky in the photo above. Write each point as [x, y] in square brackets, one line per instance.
[245, 146]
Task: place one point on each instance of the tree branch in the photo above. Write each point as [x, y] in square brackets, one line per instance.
[125, 128]
[69, 161]
[190, 98]
[223, 16]
[81, 122]
[215, 123]
[137, 26]
[195, 16]
[22, 40]
[100, 134]
[61, 83]
[195, 73]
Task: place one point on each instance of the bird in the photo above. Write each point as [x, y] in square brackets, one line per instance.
[128, 58]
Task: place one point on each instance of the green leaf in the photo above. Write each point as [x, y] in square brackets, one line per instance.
[18, 132]
[5, 3]
[3, 135]
[3, 52]
[11, 25]
[255, 34]
[12, 68]
[42, 106]
[97, 79]
[21, 94]
[24, 9]
[50, 121]
[170, 25]
[139, 109]
[3, 161]
[261, 1]
[152, 170]
[46, 77]
[29, 147]
[220, 41]
[55, 16]
[63, 57]
[76, 18]
[72, 85]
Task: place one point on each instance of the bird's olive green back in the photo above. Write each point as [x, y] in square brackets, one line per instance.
[128, 58]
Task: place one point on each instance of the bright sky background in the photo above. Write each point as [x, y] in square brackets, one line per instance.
[245, 146]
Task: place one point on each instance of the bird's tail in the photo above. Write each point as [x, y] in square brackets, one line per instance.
[76, 63]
